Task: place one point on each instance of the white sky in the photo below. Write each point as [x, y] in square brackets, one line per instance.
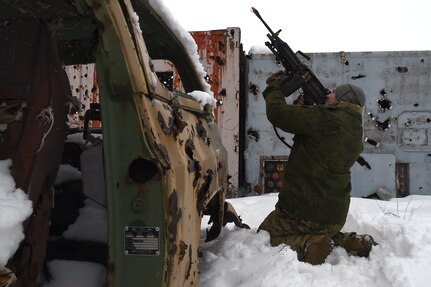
[315, 25]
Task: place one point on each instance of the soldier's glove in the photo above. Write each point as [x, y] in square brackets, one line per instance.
[274, 82]
[276, 79]
[299, 100]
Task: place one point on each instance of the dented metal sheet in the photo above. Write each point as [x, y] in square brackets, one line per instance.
[169, 148]
[396, 116]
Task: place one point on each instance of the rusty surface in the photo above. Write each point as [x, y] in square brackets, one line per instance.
[35, 143]
[84, 87]
[212, 47]
[220, 53]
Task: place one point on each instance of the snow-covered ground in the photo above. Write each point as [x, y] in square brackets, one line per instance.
[15, 207]
[402, 227]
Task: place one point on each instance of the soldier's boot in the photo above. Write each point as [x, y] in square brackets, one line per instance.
[315, 249]
[7, 277]
[354, 244]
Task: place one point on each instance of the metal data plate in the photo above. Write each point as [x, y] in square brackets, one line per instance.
[141, 241]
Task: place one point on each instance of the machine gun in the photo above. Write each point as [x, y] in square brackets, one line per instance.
[299, 75]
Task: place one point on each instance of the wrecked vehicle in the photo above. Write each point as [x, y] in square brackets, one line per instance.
[159, 164]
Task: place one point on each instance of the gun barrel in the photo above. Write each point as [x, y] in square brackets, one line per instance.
[254, 10]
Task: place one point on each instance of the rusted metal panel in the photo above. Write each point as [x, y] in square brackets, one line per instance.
[83, 84]
[396, 118]
[219, 52]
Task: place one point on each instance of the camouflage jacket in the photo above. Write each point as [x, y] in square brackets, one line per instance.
[327, 142]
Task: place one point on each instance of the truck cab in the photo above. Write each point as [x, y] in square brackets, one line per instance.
[155, 165]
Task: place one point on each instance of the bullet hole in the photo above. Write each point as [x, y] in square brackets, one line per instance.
[422, 61]
[371, 142]
[208, 79]
[428, 120]
[383, 92]
[167, 79]
[402, 70]
[363, 162]
[252, 88]
[253, 134]
[416, 105]
[141, 170]
[346, 63]
[223, 92]
[358, 77]
[219, 61]
[384, 105]
[219, 103]
[381, 125]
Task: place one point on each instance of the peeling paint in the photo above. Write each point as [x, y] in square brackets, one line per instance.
[193, 164]
[190, 263]
[189, 147]
[203, 190]
[166, 128]
[202, 132]
[175, 214]
[183, 248]
[178, 123]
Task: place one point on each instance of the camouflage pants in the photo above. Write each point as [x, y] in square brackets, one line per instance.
[294, 232]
